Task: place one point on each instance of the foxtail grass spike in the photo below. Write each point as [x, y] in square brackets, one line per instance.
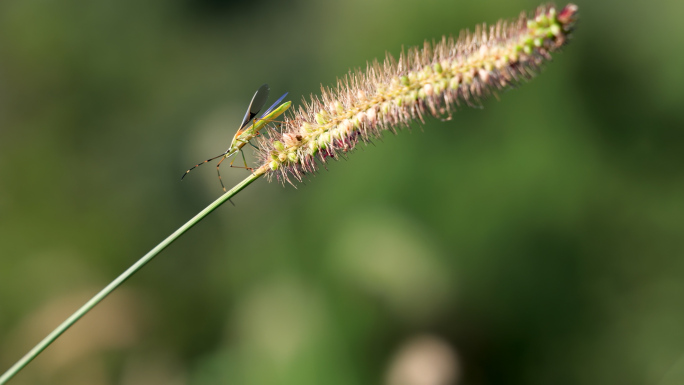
[430, 81]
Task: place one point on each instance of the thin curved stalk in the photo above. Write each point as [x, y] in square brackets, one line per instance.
[42, 345]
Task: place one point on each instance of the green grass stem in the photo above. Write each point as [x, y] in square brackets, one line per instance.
[50, 338]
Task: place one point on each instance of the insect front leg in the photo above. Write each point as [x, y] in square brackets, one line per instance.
[243, 141]
[244, 160]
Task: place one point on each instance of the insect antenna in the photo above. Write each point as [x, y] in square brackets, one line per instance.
[199, 164]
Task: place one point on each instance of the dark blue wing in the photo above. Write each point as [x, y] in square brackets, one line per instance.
[277, 102]
[258, 101]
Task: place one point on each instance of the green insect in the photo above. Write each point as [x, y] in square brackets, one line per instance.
[248, 131]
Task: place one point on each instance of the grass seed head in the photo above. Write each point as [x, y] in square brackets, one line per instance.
[430, 81]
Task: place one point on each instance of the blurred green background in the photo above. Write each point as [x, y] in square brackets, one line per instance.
[536, 241]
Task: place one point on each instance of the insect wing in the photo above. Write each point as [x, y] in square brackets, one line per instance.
[258, 101]
[274, 105]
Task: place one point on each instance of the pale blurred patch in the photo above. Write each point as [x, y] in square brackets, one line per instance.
[79, 356]
[392, 257]
[675, 375]
[157, 368]
[424, 360]
[278, 320]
